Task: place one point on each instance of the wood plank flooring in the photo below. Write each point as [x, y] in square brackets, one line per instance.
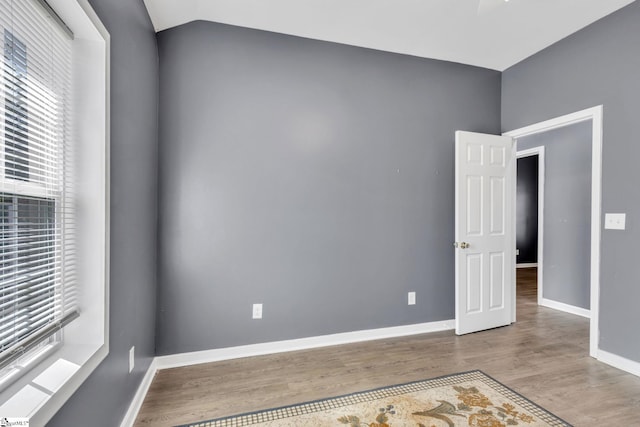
[544, 356]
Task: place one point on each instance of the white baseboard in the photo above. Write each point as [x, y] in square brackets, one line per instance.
[138, 398]
[527, 265]
[206, 356]
[619, 362]
[566, 308]
[216, 355]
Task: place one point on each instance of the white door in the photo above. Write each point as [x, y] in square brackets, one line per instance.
[485, 232]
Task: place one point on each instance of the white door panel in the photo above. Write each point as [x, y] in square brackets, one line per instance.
[485, 246]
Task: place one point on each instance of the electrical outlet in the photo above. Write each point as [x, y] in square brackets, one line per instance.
[257, 311]
[411, 300]
[132, 358]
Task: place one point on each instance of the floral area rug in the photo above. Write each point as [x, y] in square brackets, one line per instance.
[466, 399]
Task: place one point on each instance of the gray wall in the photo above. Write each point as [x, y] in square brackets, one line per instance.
[567, 212]
[104, 398]
[598, 65]
[527, 210]
[312, 177]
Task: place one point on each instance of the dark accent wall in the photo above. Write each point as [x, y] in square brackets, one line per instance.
[527, 210]
[104, 398]
[567, 212]
[598, 65]
[312, 177]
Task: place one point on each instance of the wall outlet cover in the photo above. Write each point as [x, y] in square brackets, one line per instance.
[257, 311]
[132, 358]
[411, 299]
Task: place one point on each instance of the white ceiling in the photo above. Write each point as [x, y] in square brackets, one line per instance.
[487, 33]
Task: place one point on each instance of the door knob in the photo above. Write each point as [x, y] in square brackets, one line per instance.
[461, 245]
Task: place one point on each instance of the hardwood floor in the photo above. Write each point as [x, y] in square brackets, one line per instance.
[544, 356]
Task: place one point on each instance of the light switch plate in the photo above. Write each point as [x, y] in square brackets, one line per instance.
[615, 221]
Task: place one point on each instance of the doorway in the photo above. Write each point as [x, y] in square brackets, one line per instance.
[595, 116]
[529, 223]
[564, 188]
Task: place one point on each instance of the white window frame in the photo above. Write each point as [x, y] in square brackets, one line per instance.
[58, 372]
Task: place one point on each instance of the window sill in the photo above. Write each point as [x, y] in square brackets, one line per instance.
[50, 385]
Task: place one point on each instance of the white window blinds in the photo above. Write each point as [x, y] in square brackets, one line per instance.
[37, 250]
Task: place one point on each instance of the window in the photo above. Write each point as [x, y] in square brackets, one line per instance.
[15, 114]
[54, 203]
[37, 272]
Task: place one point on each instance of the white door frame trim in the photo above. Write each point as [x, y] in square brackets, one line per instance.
[537, 151]
[594, 114]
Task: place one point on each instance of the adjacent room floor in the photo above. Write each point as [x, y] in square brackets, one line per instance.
[544, 356]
